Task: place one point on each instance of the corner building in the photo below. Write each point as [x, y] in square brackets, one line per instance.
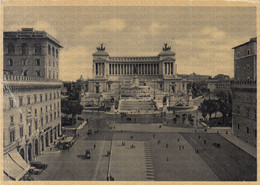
[32, 101]
[244, 89]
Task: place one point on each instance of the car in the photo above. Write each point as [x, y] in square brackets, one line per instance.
[89, 132]
[35, 171]
[38, 165]
[87, 154]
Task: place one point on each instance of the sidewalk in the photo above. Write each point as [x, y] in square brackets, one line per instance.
[241, 144]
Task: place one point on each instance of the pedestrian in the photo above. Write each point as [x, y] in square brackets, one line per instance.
[94, 146]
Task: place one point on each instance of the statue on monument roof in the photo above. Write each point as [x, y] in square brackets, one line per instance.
[101, 48]
[166, 47]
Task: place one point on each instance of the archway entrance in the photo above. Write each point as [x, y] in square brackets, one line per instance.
[47, 139]
[36, 147]
[22, 152]
[42, 141]
[30, 152]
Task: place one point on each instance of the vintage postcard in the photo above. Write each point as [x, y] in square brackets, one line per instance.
[129, 92]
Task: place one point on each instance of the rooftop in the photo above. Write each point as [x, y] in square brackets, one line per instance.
[30, 33]
[251, 40]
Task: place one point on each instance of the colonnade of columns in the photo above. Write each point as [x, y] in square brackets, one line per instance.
[130, 69]
[168, 68]
[100, 68]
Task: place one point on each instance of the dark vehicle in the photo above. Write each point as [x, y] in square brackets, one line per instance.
[38, 165]
[87, 154]
[35, 171]
[217, 145]
[80, 119]
[89, 132]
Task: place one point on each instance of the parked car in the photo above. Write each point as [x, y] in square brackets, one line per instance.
[35, 171]
[80, 119]
[89, 132]
[87, 154]
[38, 165]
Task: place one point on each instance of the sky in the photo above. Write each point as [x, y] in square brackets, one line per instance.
[201, 37]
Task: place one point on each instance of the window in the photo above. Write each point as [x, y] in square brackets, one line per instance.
[248, 67]
[10, 62]
[28, 100]
[10, 48]
[53, 51]
[49, 49]
[36, 124]
[11, 103]
[54, 95]
[46, 96]
[41, 122]
[21, 131]
[35, 98]
[37, 62]
[40, 97]
[238, 109]
[50, 116]
[255, 133]
[38, 73]
[24, 62]
[12, 136]
[41, 110]
[57, 53]
[49, 74]
[46, 109]
[57, 76]
[49, 63]
[58, 113]
[57, 65]
[37, 49]
[35, 112]
[53, 74]
[58, 94]
[25, 73]
[58, 105]
[54, 106]
[238, 54]
[50, 107]
[248, 52]
[24, 49]
[50, 96]
[247, 112]
[20, 101]
[21, 117]
[46, 119]
[54, 115]
[247, 130]
[53, 64]
[12, 119]
[30, 130]
[238, 126]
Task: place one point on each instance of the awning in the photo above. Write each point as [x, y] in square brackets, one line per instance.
[14, 166]
[19, 160]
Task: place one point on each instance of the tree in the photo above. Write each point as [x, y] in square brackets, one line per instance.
[71, 107]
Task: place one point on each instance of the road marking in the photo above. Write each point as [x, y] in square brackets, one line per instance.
[98, 163]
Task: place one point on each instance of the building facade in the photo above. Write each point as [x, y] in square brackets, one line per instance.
[244, 90]
[157, 72]
[32, 103]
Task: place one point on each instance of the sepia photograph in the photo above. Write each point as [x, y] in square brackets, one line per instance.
[129, 93]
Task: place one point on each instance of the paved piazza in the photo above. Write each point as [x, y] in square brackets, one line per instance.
[156, 155]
